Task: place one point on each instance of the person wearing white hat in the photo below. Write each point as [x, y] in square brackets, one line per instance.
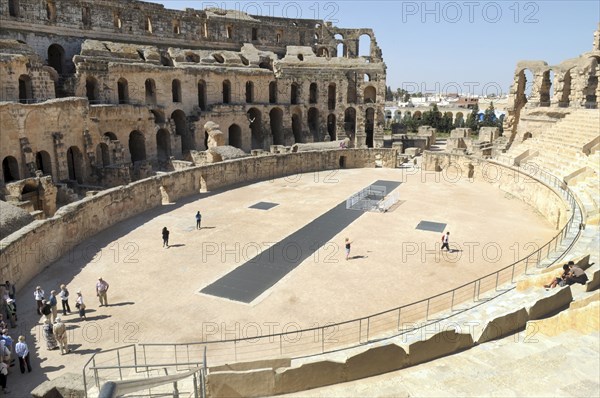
[80, 305]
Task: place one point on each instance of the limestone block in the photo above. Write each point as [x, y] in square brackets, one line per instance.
[555, 300]
[585, 301]
[461, 133]
[439, 345]
[594, 281]
[489, 133]
[252, 383]
[375, 361]
[585, 320]
[309, 375]
[412, 152]
[503, 325]
[215, 135]
[68, 385]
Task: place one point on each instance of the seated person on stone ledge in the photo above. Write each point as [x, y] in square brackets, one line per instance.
[577, 275]
[560, 280]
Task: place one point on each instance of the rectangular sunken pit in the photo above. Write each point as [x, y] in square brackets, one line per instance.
[263, 205]
[431, 226]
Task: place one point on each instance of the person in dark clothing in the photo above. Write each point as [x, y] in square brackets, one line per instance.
[198, 220]
[165, 236]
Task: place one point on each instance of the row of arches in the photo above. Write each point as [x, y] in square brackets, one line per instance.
[548, 83]
[150, 92]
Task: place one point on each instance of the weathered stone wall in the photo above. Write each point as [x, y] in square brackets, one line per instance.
[537, 195]
[25, 253]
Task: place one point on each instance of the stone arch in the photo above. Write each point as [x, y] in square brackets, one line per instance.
[273, 92]
[25, 89]
[111, 136]
[235, 136]
[176, 90]
[123, 90]
[255, 119]
[417, 115]
[331, 126]
[366, 77]
[351, 89]
[91, 89]
[137, 146]
[370, 95]
[226, 92]
[75, 164]
[591, 85]
[331, 96]
[43, 162]
[276, 121]
[313, 93]
[150, 89]
[159, 116]
[103, 154]
[56, 58]
[294, 93]
[202, 97]
[181, 129]
[163, 145]
[313, 124]
[565, 98]
[350, 122]
[249, 92]
[364, 45]
[369, 126]
[10, 169]
[297, 127]
[546, 88]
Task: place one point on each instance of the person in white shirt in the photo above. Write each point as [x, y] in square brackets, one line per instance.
[38, 294]
[80, 305]
[22, 352]
[64, 297]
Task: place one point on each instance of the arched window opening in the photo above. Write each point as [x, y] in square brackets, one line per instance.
[176, 90]
[137, 146]
[235, 136]
[150, 87]
[313, 93]
[91, 89]
[43, 162]
[202, 95]
[25, 89]
[75, 164]
[10, 169]
[370, 95]
[276, 117]
[249, 92]
[56, 57]
[331, 127]
[123, 91]
[295, 93]
[103, 154]
[226, 92]
[273, 92]
[331, 96]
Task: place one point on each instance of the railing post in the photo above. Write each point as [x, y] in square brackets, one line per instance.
[280, 344]
[427, 312]
[235, 349]
[323, 339]
[474, 290]
[195, 380]
[96, 374]
[399, 312]
[84, 383]
[135, 358]
[512, 276]
[359, 330]
[175, 355]
[368, 327]
[119, 363]
[175, 390]
[452, 303]
[497, 277]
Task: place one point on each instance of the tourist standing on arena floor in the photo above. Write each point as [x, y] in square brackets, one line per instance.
[47, 310]
[80, 305]
[198, 220]
[165, 236]
[11, 291]
[64, 297]
[38, 294]
[446, 241]
[51, 343]
[22, 352]
[53, 304]
[101, 291]
[60, 333]
[348, 243]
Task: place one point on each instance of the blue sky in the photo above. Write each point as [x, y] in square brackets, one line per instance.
[471, 46]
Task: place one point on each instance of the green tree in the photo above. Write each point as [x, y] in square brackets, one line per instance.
[389, 96]
[410, 123]
[489, 117]
[473, 119]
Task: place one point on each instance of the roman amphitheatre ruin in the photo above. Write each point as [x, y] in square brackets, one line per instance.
[119, 118]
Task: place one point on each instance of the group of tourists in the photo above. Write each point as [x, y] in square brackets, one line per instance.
[570, 275]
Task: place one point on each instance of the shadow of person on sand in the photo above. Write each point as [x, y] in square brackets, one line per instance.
[176, 245]
[357, 257]
[121, 304]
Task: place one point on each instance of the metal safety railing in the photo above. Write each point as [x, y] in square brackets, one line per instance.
[384, 324]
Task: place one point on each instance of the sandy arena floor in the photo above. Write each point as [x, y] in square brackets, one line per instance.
[153, 293]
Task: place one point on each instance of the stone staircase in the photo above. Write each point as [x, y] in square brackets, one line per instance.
[560, 149]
